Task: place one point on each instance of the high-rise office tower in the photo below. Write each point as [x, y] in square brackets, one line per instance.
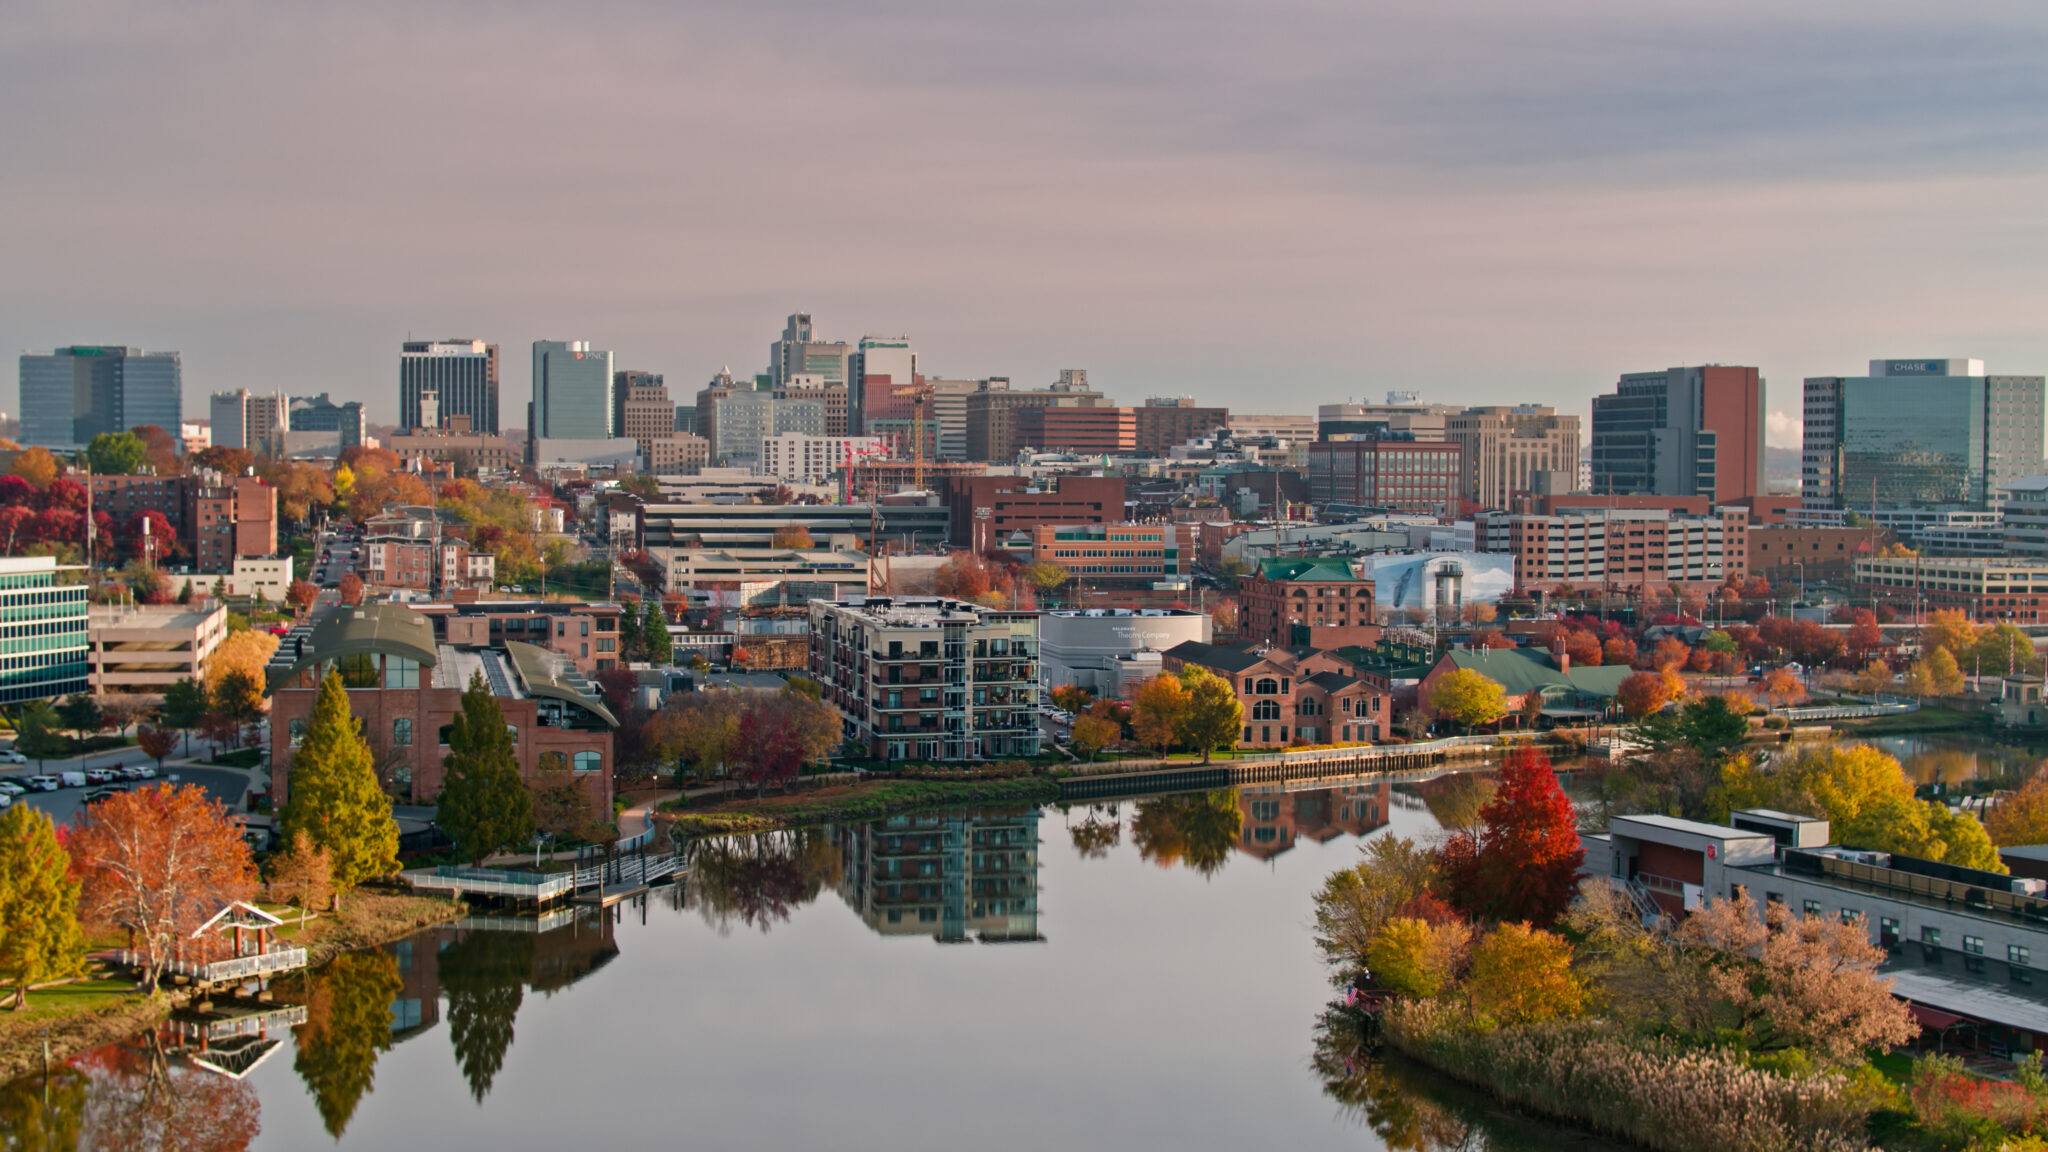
[73, 394]
[1505, 447]
[881, 382]
[251, 421]
[1681, 432]
[641, 408]
[800, 353]
[463, 372]
[572, 392]
[1920, 434]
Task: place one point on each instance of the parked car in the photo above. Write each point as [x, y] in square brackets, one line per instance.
[42, 783]
[101, 794]
[101, 775]
[71, 779]
[10, 756]
[6, 802]
[138, 772]
[13, 788]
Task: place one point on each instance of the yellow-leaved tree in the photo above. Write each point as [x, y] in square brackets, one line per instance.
[1468, 698]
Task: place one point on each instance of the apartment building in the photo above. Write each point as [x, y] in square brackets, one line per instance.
[1318, 602]
[929, 678]
[1167, 422]
[230, 517]
[405, 688]
[1642, 549]
[799, 458]
[1082, 431]
[464, 452]
[141, 650]
[409, 549]
[1102, 554]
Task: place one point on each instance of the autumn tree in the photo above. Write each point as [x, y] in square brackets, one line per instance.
[1071, 697]
[160, 449]
[156, 863]
[560, 806]
[333, 796]
[302, 874]
[1225, 616]
[350, 588]
[2021, 816]
[300, 594]
[1523, 975]
[245, 652]
[1782, 689]
[1641, 693]
[1093, 733]
[1468, 698]
[1938, 674]
[36, 466]
[1416, 958]
[1786, 981]
[701, 728]
[1582, 646]
[1047, 578]
[1158, 709]
[1948, 628]
[1523, 862]
[779, 733]
[1618, 650]
[484, 804]
[1867, 800]
[1873, 679]
[1355, 903]
[964, 576]
[39, 937]
[1212, 717]
[1195, 829]
[155, 742]
[793, 536]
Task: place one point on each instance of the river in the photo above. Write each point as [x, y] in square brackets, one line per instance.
[1129, 976]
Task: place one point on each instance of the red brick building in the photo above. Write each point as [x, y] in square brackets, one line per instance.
[987, 509]
[1165, 425]
[586, 634]
[1294, 696]
[1397, 475]
[1088, 431]
[406, 690]
[1117, 553]
[1319, 602]
[230, 517]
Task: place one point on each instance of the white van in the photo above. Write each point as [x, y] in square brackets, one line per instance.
[71, 779]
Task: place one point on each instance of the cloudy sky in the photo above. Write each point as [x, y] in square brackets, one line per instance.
[1267, 205]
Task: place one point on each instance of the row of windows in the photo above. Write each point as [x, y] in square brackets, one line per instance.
[401, 737]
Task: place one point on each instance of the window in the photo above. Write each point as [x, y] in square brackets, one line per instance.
[1267, 686]
[358, 670]
[2017, 954]
[1851, 915]
[1974, 945]
[401, 732]
[589, 761]
[1809, 907]
[298, 732]
[400, 672]
[1266, 710]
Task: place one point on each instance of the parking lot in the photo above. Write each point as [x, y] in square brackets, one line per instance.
[230, 786]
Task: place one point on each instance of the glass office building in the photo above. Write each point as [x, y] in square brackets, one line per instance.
[43, 634]
[1920, 434]
[73, 394]
[572, 391]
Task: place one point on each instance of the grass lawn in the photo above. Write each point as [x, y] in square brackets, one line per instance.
[239, 758]
[73, 1017]
[1930, 718]
[45, 1004]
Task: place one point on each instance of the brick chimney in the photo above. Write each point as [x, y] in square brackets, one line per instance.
[1563, 658]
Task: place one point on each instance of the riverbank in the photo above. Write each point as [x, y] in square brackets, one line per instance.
[86, 1014]
[838, 803]
[1928, 720]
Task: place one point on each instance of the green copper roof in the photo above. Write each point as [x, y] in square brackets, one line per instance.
[369, 628]
[1522, 671]
[1312, 568]
[552, 676]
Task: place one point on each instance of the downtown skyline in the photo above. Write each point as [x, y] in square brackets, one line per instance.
[1261, 213]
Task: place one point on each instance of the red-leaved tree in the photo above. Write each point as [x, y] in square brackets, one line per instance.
[1523, 862]
[156, 863]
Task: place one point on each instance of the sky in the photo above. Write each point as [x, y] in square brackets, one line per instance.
[1265, 205]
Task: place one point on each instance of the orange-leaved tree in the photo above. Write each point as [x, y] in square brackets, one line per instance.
[156, 863]
[1523, 862]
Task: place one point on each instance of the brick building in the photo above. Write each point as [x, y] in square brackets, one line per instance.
[1166, 423]
[1396, 475]
[406, 689]
[1591, 549]
[585, 634]
[986, 509]
[1117, 553]
[2014, 590]
[1321, 602]
[1294, 696]
[1086, 431]
[229, 517]
[1814, 553]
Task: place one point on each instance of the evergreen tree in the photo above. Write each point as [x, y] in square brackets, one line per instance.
[348, 1025]
[654, 634]
[484, 804]
[629, 631]
[39, 937]
[332, 794]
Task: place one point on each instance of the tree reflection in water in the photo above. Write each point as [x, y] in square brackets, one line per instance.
[483, 975]
[139, 1099]
[43, 1115]
[1197, 829]
[759, 880]
[348, 1023]
[1413, 1109]
[1098, 832]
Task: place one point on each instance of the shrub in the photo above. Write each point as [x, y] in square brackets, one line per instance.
[1962, 1110]
[1646, 1091]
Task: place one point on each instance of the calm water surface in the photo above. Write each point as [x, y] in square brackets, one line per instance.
[1139, 976]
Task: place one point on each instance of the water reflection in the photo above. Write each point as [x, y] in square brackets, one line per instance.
[351, 1003]
[757, 881]
[1957, 760]
[136, 1096]
[484, 975]
[953, 877]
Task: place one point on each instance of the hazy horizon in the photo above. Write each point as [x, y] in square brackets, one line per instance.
[1268, 207]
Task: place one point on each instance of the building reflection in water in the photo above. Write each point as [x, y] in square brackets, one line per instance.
[955, 877]
[1275, 814]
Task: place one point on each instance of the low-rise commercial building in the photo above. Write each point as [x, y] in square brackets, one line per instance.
[1387, 475]
[1092, 648]
[902, 525]
[1317, 602]
[584, 633]
[1637, 549]
[467, 453]
[804, 573]
[406, 688]
[1294, 696]
[1084, 431]
[988, 509]
[1103, 554]
[1986, 589]
[44, 630]
[1166, 422]
[929, 678]
[1816, 554]
[141, 650]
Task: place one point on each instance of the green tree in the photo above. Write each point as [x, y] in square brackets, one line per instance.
[483, 804]
[1047, 578]
[348, 1024]
[116, 453]
[1709, 726]
[36, 734]
[654, 635]
[39, 937]
[483, 975]
[81, 714]
[332, 794]
[1468, 698]
[1213, 718]
[1356, 902]
[629, 631]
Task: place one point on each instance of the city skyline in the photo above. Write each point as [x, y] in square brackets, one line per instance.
[1255, 210]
